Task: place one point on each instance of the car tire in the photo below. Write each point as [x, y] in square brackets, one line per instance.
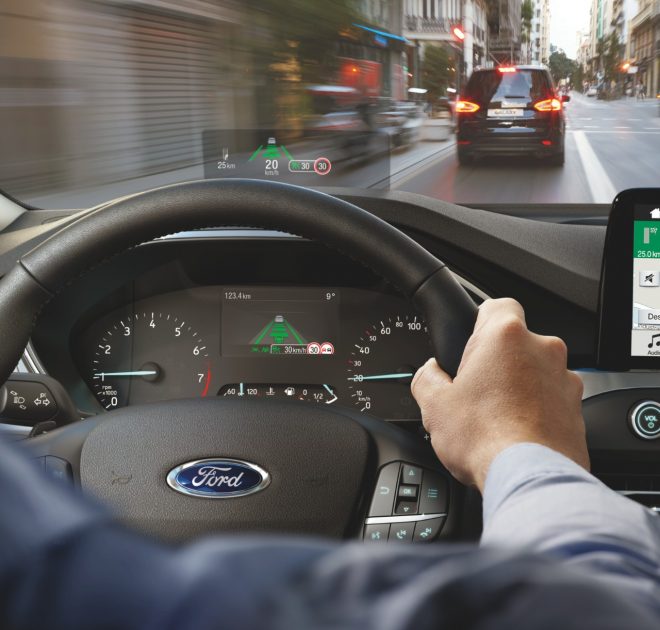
[558, 159]
[464, 158]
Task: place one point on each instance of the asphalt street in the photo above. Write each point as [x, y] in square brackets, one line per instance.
[610, 146]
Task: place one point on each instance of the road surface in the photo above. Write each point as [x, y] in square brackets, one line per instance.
[610, 146]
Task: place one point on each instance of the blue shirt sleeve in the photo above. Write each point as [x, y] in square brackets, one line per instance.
[537, 499]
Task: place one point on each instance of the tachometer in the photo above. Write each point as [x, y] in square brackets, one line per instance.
[149, 356]
[382, 364]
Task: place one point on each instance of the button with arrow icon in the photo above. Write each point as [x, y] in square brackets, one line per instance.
[405, 508]
[426, 531]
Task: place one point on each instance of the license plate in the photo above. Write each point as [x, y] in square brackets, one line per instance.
[506, 113]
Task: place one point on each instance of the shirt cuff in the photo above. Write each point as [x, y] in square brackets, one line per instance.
[516, 465]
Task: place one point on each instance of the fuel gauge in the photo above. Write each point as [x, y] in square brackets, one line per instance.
[321, 394]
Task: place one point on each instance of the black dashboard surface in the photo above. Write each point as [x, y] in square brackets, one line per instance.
[553, 269]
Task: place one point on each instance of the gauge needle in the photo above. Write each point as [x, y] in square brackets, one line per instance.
[102, 375]
[334, 396]
[382, 377]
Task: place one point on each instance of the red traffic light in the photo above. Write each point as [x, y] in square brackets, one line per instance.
[458, 33]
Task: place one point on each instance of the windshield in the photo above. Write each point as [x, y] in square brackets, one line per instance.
[102, 99]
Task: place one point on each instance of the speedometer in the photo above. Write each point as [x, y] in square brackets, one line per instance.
[146, 357]
[382, 363]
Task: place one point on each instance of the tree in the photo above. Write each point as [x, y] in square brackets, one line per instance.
[288, 34]
[561, 67]
[527, 14]
[612, 56]
[436, 71]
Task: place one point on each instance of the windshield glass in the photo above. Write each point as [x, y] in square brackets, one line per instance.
[102, 99]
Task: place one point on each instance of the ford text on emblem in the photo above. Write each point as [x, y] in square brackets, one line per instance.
[218, 478]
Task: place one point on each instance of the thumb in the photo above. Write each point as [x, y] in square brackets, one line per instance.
[427, 380]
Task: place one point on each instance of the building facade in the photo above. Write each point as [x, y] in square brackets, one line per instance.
[505, 30]
[539, 44]
[645, 46]
[431, 22]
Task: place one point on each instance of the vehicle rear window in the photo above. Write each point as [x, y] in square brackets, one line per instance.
[493, 85]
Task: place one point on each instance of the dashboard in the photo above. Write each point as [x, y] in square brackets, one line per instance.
[252, 313]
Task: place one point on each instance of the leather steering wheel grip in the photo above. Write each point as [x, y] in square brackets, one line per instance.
[120, 225]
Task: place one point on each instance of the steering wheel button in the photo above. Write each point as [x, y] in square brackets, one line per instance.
[408, 492]
[405, 507]
[433, 496]
[376, 533]
[426, 531]
[401, 532]
[383, 501]
[58, 469]
[645, 420]
[411, 474]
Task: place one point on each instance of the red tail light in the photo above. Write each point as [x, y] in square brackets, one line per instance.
[548, 105]
[466, 107]
[506, 69]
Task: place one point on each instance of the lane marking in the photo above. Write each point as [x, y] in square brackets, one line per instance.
[601, 188]
[399, 179]
[654, 132]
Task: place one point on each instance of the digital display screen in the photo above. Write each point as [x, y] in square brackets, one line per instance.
[272, 322]
[645, 336]
[318, 156]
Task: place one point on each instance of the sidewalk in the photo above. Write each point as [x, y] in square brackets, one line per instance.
[624, 102]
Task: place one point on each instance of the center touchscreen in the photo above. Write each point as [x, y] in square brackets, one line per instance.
[645, 335]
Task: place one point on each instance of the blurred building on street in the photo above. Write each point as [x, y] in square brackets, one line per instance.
[645, 46]
[113, 91]
[432, 23]
[505, 30]
[540, 34]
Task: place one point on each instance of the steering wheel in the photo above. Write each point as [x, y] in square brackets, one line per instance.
[318, 465]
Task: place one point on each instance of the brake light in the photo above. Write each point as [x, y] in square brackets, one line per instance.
[466, 107]
[506, 69]
[548, 105]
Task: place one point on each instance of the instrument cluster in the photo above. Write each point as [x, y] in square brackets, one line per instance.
[325, 345]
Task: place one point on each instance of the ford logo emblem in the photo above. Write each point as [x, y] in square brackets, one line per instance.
[218, 478]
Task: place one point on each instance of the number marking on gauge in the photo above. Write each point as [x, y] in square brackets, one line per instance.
[382, 364]
[149, 360]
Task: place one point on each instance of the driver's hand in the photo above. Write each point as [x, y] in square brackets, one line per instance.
[512, 386]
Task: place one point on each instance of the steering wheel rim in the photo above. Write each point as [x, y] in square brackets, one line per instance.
[120, 225]
[365, 445]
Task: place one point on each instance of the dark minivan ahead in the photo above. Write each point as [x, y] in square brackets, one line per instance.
[511, 110]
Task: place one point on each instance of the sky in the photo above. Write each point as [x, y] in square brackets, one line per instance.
[567, 17]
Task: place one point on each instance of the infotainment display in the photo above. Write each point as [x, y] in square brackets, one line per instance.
[629, 305]
[645, 333]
